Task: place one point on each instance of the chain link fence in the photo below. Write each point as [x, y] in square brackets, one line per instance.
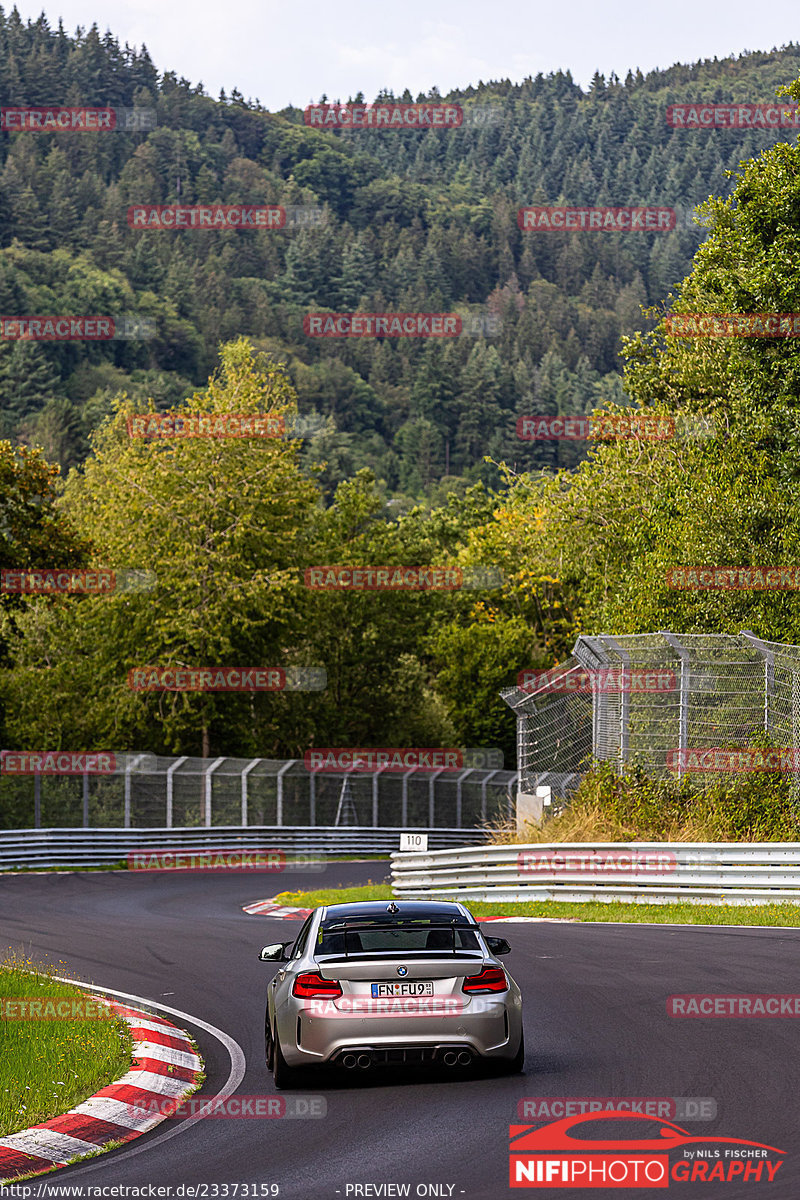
[146, 790]
[653, 699]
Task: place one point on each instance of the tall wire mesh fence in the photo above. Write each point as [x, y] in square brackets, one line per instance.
[146, 790]
[654, 699]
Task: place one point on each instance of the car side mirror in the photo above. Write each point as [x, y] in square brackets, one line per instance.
[498, 945]
[275, 953]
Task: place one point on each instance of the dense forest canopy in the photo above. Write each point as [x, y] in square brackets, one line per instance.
[413, 455]
[408, 221]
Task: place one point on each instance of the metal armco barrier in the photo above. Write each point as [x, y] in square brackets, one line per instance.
[102, 847]
[637, 872]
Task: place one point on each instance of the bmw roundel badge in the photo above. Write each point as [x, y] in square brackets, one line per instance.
[402, 970]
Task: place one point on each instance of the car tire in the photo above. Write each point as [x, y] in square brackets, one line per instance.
[517, 1064]
[283, 1075]
[269, 1045]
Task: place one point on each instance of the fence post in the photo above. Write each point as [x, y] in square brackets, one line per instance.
[795, 732]
[510, 793]
[624, 701]
[462, 776]
[85, 800]
[375, 778]
[591, 653]
[208, 773]
[37, 802]
[130, 763]
[404, 801]
[525, 728]
[279, 798]
[432, 797]
[484, 785]
[170, 771]
[683, 716]
[245, 772]
[769, 672]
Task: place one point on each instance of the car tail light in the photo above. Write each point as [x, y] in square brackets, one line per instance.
[491, 979]
[311, 984]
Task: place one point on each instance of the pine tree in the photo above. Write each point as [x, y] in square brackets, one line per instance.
[59, 430]
[358, 272]
[28, 379]
[480, 413]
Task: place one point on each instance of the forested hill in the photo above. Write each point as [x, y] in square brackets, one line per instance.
[408, 221]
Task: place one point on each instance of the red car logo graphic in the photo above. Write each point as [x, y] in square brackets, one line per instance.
[557, 1136]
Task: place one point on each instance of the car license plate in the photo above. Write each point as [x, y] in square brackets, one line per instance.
[415, 987]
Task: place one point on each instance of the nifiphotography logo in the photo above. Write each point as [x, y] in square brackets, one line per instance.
[589, 1150]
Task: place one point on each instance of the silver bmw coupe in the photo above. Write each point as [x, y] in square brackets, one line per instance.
[380, 983]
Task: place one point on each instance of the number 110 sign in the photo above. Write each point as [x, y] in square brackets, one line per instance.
[413, 842]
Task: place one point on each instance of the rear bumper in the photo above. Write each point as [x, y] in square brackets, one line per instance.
[491, 1032]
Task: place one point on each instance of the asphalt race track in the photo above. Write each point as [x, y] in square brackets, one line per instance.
[596, 1026]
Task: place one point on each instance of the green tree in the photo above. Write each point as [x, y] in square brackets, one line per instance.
[34, 533]
[220, 522]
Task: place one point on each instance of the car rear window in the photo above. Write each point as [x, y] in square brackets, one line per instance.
[399, 938]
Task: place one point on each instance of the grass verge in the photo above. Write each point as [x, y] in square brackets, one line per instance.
[786, 915]
[48, 1066]
[635, 806]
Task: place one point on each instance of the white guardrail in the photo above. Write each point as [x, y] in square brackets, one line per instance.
[637, 872]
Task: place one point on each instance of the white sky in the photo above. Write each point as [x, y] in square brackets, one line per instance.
[284, 53]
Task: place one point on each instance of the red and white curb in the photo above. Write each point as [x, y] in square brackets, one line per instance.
[282, 912]
[164, 1071]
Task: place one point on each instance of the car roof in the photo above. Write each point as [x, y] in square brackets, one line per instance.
[388, 910]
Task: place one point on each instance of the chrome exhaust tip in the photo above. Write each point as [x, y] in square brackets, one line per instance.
[349, 1061]
[364, 1061]
[464, 1058]
[450, 1058]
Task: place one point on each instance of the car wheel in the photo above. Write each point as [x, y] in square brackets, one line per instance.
[517, 1064]
[269, 1045]
[283, 1075]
